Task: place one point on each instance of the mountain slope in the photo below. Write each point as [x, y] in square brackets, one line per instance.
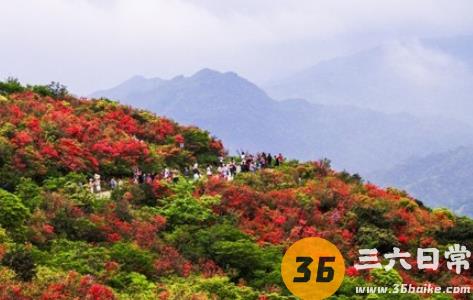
[441, 179]
[183, 239]
[246, 118]
[41, 136]
[421, 77]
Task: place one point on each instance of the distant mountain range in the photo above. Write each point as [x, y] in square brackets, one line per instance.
[420, 77]
[441, 179]
[246, 118]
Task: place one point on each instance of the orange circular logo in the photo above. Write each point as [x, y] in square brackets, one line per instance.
[313, 268]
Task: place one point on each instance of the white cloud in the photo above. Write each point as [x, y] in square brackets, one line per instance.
[92, 44]
[424, 67]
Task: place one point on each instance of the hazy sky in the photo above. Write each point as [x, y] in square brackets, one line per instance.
[88, 45]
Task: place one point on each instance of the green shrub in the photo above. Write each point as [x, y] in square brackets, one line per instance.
[20, 260]
[133, 285]
[53, 90]
[29, 193]
[207, 288]
[13, 213]
[369, 237]
[11, 85]
[133, 259]
[77, 256]
[182, 208]
[461, 232]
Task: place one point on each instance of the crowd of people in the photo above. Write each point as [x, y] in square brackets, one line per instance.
[226, 169]
[247, 163]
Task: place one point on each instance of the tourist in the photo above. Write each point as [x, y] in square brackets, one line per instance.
[91, 185]
[97, 185]
[113, 183]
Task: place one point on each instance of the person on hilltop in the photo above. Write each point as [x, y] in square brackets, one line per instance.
[269, 160]
[280, 158]
[91, 185]
[113, 183]
[196, 172]
[148, 178]
[167, 173]
[233, 169]
[97, 185]
[243, 156]
[137, 175]
[186, 171]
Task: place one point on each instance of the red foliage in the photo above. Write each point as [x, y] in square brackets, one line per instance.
[81, 136]
[111, 266]
[17, 114]
[179, 138]
[48, 229]
[217, 145]
[374, 191]
[161, 129]
[99, 292]
[76, 287]
[113, 237]
[171, 261]
[34, 125]
[22, 138]
[160, 189]
[48, 151]
[123, 121]
[210, 268]
[351, 271]
[402, 239]
[144, 233]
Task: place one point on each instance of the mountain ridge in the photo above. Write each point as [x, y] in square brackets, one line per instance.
[245, 116]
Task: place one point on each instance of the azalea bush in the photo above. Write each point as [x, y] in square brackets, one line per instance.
[45, 132]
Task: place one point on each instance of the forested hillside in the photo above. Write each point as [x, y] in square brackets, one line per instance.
[182, 238]
[441, 179]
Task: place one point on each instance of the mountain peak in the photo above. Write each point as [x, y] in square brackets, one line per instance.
[212, 74]
[135, 79]
[206, 72]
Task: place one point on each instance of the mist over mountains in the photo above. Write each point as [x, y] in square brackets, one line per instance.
[246, 118]
[422, 77]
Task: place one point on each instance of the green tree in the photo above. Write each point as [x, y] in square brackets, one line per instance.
[11, 85]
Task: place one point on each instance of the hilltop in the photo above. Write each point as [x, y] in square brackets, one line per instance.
[183, 239]
[43, 136]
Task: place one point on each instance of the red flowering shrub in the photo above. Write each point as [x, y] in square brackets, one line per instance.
[82, 135]
[77, 287]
